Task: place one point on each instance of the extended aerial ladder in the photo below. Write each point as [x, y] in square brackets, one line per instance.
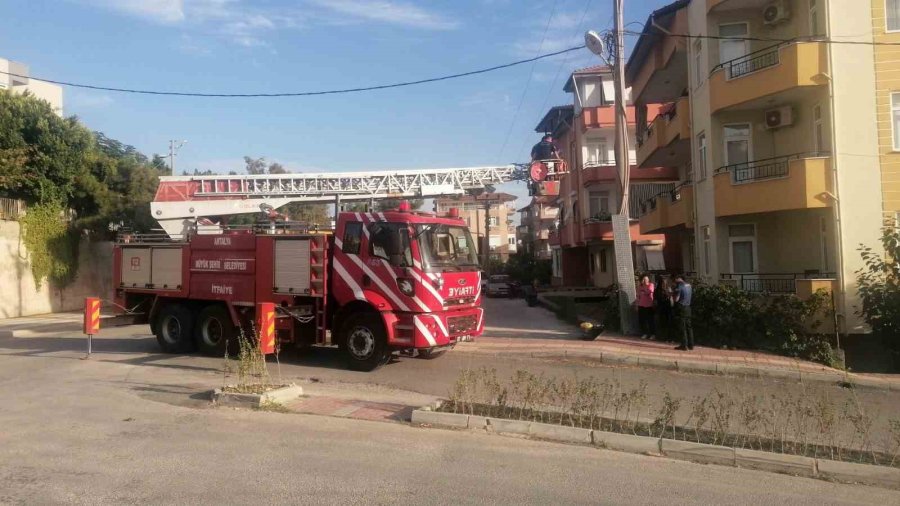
[182, 200]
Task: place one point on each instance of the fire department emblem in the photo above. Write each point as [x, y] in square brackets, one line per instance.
[461, 281]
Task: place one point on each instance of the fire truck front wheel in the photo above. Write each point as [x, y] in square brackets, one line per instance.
[174, 329]
[364, 341]
[215, 333]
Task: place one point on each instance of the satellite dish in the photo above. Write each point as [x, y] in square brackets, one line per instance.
[593, 42]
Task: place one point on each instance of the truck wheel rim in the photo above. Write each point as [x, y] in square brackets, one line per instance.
[212, 331]
[361, 343]
[171, 330]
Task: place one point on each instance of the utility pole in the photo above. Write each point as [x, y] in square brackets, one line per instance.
[614, 47]
[174, 146]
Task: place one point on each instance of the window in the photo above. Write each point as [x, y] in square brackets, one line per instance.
[595, 152]
[575, 210]
[390, 241]
[511, 241]
[895, 119]
[813, 18]
[823, 240]
[493, 221]
[733, 45]
[706, 250]
[352, 234]
[737, 149]
[598, 203]
[494, 241]
[892, 15]
[701, 156]
[818, 130]
[604, 263]
[742, 244]
[698, 61]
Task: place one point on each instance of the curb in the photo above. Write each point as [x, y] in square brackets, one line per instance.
[845, 472]
[239, 400]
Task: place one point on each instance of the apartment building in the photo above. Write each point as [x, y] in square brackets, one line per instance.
[582, 245]
[772, 130]
[490, 219]
[537, 221]
[46, 91]
[886, 29]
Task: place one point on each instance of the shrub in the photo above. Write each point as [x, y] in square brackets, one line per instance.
[879, 289]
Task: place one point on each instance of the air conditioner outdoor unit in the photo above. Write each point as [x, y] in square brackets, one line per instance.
[776, 12]
[781, 117]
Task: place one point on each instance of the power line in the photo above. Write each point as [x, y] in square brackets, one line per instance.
[300, 93]
[528, 82]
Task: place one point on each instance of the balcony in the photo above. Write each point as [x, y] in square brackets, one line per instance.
[605, 172]
[669, 210]
[773, 70]
[731, 5]
[667, 142]
[598, 228]
[803, 284]
[660, 72]
[799, 181]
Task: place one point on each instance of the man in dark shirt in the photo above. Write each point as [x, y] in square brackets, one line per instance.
[683, 294]
[545, 150]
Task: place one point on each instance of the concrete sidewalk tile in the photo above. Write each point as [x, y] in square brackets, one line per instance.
[421, 417]
[775, 462]
[859, 473]
[626, 442]
[698, 452]
[502, 426]
[560, 433]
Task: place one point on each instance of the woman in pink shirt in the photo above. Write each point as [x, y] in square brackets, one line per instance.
[645, 308]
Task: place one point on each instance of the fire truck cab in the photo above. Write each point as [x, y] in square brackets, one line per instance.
[395, 281]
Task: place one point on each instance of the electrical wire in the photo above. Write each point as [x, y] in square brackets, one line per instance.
[527, 83]
[299, 93]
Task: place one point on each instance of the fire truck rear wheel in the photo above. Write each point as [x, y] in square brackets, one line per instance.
[364, 342]
[215, 333]
[174, 329]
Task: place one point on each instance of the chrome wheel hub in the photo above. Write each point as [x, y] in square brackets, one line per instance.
[361, 342]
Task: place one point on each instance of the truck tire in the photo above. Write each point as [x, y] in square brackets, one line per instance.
[364, 342]
[175, 329]
[215, 334]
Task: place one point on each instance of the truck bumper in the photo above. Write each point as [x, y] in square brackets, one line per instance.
[430, 330]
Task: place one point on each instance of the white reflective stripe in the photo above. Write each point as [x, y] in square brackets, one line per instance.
[378, 282]
[427, 285]
[480, 317]
[371, 216]
[441, 325]
[339, 243]
[478, 285]
[347, 278]
[393, 274]
[428, 337]
[381, 217]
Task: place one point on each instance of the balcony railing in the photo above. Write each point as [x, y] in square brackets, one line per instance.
[674, 195]
[772, 283]
[598, 218]
[752, 62]
[766, 168]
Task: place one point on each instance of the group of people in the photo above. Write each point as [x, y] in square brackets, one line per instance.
[671, 302]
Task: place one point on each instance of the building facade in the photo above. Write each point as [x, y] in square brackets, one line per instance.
[50, 92]
[590, 193]
[490, 218]
[537, 222]
[772, 130]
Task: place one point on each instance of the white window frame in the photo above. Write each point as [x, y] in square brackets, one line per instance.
[707, 249]
[743, 238]
[698, 62]
[724, 39]
[887, 29]
[814, 17]
[726, 138]
[600, 147]
[702, 152]
[895, 107]
[818, 126]
[599, 195]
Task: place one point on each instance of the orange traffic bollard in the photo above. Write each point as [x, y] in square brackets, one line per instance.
[265, 322]
[91, 320]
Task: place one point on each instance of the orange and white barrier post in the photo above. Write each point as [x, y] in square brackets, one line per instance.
[91, 319]
[265, 322]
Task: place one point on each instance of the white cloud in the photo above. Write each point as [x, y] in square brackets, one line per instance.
[390, 12]
[160, 11]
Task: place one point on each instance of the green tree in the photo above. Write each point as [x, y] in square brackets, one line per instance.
[879, 289]
[311, 214]
[389, 204]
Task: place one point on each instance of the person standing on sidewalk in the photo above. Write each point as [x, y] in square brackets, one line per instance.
[682, 296]
[645, 308]
[663, 296]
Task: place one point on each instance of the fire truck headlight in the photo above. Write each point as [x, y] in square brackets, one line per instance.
[406, 287]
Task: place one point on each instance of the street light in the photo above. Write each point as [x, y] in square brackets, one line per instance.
[174, 146]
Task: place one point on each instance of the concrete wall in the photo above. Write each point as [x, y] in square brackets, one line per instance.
[21, 296]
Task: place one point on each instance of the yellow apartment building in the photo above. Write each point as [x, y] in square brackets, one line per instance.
[769, 116]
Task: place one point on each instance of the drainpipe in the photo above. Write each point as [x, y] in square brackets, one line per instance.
[836, 203]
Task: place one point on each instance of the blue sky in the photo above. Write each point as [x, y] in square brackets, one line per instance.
[241, 46]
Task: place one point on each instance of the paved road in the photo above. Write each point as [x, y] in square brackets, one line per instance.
[106, 431]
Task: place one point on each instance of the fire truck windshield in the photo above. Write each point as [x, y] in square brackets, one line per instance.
[446, 247]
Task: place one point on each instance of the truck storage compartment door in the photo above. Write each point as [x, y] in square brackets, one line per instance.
[136, 267]
[291, 266]
[166, 273]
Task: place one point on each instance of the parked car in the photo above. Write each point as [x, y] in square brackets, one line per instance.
[498, 286]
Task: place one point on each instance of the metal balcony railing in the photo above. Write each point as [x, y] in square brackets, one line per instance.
[752, 62]
[772, 283]
[674, 195]
[766, 168]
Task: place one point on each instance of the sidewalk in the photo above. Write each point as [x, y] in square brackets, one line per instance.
[618, 350]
